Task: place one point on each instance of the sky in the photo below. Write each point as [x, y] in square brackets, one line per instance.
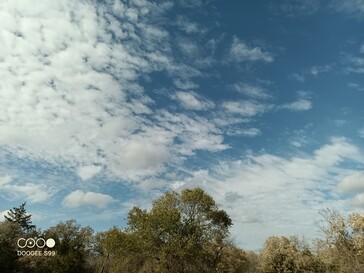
[106, 105]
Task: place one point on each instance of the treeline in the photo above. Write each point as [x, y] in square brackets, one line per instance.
[182, 233]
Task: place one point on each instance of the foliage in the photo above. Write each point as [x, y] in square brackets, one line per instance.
[343, 247]
[288, 255]
[9, 234]
[19, 215]
[73, 244]
[183, 232]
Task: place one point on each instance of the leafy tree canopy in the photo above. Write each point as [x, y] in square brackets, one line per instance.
[183, 232]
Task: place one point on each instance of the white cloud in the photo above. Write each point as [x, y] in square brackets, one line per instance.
[358, 200]
[303, 102]
[354, 7]
[185, 84]
[188, 47]
[70, 94]
[297, 7]
[195, 132]
[140, 155]
[316, 70]
[245, 108]
[191, 100]
[189, 27]
[299, 105]
[80, 199]
[356, 86]
[87, 172]
[249, 132]
[361, 132]
[361, 50]
[299, 77]
[29, 191]
[267, 194]
[354, 65]
[353, 183]
[253, 91]
[5, 180]
[191, 3]
[240, 52]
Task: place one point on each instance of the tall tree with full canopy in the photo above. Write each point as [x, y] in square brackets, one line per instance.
[183, 232]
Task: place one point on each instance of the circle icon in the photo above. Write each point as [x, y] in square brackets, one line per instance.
[50, 243]
[30, 243]
[21, 243]
[40, 242]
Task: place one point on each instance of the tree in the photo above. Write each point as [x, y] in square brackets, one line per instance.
[19, 215]
[288, 255]
[183, 232]
[10, 232]
[73, 246]
[343, 247]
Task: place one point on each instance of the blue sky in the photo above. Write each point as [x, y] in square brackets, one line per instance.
[105, 105]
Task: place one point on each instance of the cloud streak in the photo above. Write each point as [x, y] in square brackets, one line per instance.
[267, 194]
[241, 52]
[79, 198]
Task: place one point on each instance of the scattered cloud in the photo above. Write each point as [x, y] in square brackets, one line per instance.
[294, 8]
[185, 84]
[314, 71]
[354, 65]
[82, 103]
[87, 172]
[240, 52]
[299, 139]
[299, 77]
[193, 101]
[31, 192]
[249, 132]
[361, 132]
[246, 108]
[358, 200]
[356, 86]
[271, 192]
[191, 3]
[303, 102]
[253, 91]
[79, 198]
[5, 180]
[299, 105]
[188, 26]
[352, 7]
[353, 183]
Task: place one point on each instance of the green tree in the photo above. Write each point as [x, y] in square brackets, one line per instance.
[10, 232]
[73, 247]
[183, 232]
[21, 217]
